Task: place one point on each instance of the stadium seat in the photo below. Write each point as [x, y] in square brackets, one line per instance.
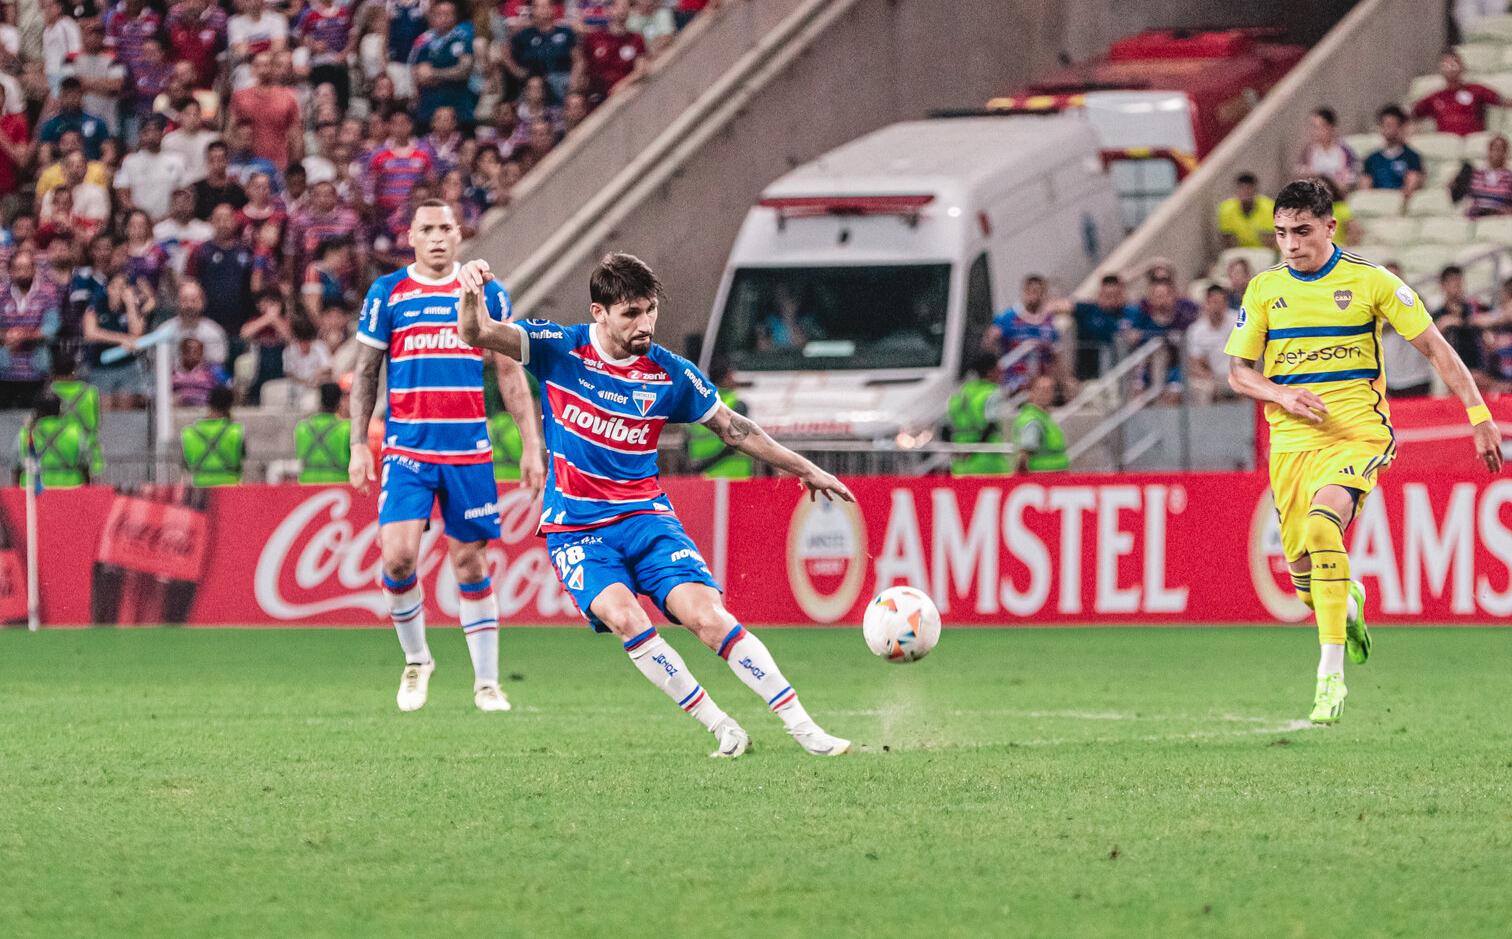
[1388, 230]
[1363, 144]
[1423, 86]
[1490, 30]
[1437, 146]
[1498, 119]
[1429, 202]
[1446, 230]
[283, 394]
[1500, 81]
[1441, 173]
[1197, 289]
[1483, 56]
[1476, 144]
[1376, 203]
[1496, 230]
[1379, 253]
[1419, 260]
[1506, 52]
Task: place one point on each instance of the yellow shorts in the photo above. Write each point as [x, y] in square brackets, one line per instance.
[1297, 477]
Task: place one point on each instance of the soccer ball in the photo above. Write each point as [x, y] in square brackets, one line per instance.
[901, 624]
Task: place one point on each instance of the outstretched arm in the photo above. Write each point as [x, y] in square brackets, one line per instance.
[364, 398]
[1248, 381]
[1452, 370]
[476, 328]
[743, 434]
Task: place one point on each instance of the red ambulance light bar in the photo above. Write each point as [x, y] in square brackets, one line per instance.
[811, 206]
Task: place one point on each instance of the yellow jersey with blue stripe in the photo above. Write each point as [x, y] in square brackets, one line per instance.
[1323, 331]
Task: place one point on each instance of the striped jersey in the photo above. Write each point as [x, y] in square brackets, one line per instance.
[602, 418]
[435, 380]
[1323, 331]
[393, 173]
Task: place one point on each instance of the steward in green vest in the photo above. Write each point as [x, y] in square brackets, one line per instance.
[1037, 439]
[709, 455]
[507, 446]
[972, 421]
[214, 446]
[58, 442]
[323, 441]
[80, 402]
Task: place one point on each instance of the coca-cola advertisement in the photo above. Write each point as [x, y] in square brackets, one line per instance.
[1043, 550]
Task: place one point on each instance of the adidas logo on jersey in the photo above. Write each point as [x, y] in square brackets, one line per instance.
[611, 430]
[442, 340]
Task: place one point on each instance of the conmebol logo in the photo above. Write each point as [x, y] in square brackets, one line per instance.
[607, 430]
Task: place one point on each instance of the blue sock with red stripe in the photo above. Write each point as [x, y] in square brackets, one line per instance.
[479, 612]
[665, 669]
[749, 659]
[406, 603]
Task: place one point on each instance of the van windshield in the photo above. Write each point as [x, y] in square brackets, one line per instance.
[806, 318]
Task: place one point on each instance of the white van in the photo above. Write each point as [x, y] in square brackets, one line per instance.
[861, 283]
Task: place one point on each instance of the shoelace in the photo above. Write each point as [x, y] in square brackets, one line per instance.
[412, 678]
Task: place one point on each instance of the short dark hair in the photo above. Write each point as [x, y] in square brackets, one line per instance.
[333, 243]
[71, 83]
[1113, 279]
[1307, 195]
[302, 329]
[429, 204]
[397, 111]
[1452, 53]
[1246, 179]
[1035, 279]
[221, 398]
[620, 277]
[720, 369]
[983, 362]
[1453, 270]
[1215, 288]
[217, 144]
[1327, 114]
[1392, 110]
[330, 396]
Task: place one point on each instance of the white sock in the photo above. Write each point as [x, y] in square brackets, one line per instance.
[1331, 662]
[1354, 606]
[479, 612]
[406, 603]
[749, 659]
[665, 669]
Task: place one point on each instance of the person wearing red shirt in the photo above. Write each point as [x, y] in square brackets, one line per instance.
[273, 112]
[611, 55]
[1458, 108]
[14, 136]
[197, 34]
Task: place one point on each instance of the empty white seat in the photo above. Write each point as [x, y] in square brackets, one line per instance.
[1496, 230]
[1375, 203]
[1446, 230]
[1423, 86]
[1490, 29]
[1417, 260]
[1476, 144]
[1379, 253]
[1430, 202]
[1389, 230]
[1440, 173]
[1363, 144]
[1437, 146]
[1258, 260]
[1500, 81]
[1483, 56]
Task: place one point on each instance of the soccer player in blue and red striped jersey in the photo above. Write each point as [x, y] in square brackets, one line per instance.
[607, 392]
[436, 447]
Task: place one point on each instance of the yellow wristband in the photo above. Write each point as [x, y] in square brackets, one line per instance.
[1479, 414]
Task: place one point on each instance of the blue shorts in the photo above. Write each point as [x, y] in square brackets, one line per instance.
[650, 554]
[469, 496]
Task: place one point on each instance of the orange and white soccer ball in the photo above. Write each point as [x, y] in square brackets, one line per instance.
[901, 624]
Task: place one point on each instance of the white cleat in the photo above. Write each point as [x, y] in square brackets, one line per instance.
[733, 740]
[490, 698]
[819, 743]
[414, 686]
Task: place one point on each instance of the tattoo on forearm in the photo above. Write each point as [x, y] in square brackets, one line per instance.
[738, 429]
[365, 386]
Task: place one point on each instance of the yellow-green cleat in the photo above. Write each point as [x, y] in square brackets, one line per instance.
[1356, 633]
[1328, 703]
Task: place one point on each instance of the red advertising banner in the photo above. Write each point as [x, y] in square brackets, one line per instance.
[1156, 549]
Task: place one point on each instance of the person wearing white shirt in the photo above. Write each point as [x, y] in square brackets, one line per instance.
[148, 177]
[250, 32]
[60, 39]
[191, 141]
[191, 321]
[181, 232]
[104, 77]
[1207, 365]
[306, 359]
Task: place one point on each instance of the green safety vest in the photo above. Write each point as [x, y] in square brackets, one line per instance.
[969, 424]
[61, 453]
[1051, 454]
[323, 443]
[705, 445]
[213, 451]
[81, 403]
[507, 446]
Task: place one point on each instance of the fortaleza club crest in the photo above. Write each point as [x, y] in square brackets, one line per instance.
[1343, 298]
[643, 400]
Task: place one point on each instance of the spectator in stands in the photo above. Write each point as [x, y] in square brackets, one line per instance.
[535, 104]
[403, 22]
[1457, 108]
[101, 75]
[190, 322]
[146, 261]
[71, 115]
[1031, 323]
[191, 140]
[244, 159]
[217, 187]
[1239, 274]
[91, 201]
[194, 375]
[1245, 218]
[652, 21]
[180, 233]
[575, 110]
[1498, 357]
[117, 320]
[262, 208]
[326, 277]
[1207, 365]
[15, 154]
[222, 266]
[150, 77]
[543, 48]
[336, 326]
[325, 32]
[150, 174]
[1097, 326]
[1461, 319]
[1326, 154]
[396, 168]
[1490, 188]
[1163, 314]
[266, 334]
[1395, 165]
[197, 35]
[60, 40]
[255, 29]
[306, 359]
[31, 307]
[442, 64]
[273, 113]
[541, 141]
[609, 56]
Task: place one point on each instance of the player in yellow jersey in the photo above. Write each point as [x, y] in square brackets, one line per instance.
[1308, 344]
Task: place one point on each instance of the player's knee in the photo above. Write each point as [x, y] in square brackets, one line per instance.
[398, 565]
[623, 617]
[1323, 530]
[710, 622]
[470, 564]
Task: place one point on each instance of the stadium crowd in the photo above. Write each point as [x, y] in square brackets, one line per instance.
[242, 170]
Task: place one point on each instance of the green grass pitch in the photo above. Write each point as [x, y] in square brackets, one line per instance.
[1016, 782]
